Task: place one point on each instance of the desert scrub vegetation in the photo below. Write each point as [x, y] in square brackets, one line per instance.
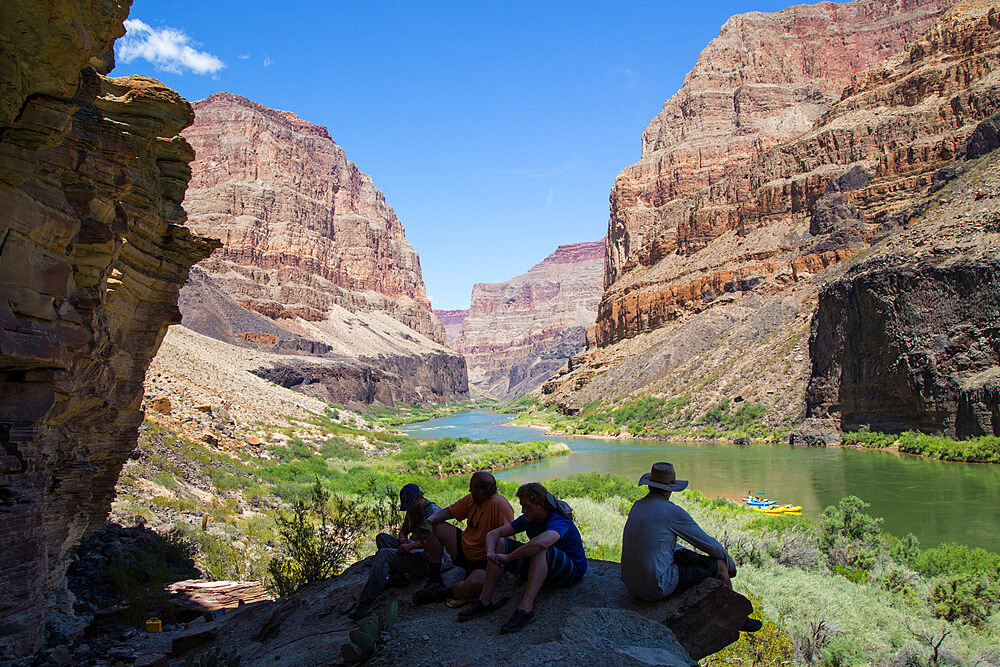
[661, 418]
[982, 449]
[403, 413]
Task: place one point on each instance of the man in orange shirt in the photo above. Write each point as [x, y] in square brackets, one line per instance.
[483, 510]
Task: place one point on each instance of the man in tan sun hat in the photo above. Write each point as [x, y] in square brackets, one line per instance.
[652, 565]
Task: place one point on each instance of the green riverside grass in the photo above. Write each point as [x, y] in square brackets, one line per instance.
[818, 605]
[982, 449]
[655, 418]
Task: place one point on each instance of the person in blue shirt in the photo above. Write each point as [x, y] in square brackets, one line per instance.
[553, 555]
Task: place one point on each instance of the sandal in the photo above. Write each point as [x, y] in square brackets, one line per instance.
[455, 603]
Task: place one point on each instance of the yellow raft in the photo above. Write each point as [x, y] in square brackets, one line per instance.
[780, 509]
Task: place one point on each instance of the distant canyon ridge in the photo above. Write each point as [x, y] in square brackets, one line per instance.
[517, 333]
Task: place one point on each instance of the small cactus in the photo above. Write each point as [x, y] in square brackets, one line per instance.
[365, 637]
[365, 641]
[350, 654]
[369, 626]
[392, 616]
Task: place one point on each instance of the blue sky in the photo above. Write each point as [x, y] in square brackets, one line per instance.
[494, 129]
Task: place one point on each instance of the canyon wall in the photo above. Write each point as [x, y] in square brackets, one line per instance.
[313, 263]
[93, 250]
[717, 300]
[765, 79]
[519, 332]
[452, 320]
[907, 339]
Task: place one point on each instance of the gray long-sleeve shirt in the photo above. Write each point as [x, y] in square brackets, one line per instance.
[648, 543]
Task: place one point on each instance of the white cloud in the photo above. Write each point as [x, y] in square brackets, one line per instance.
[244, 56]
[169, 49]
[267, 60]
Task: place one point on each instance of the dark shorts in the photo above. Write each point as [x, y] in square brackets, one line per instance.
[562, 571]
[693, 567]
[462, 561]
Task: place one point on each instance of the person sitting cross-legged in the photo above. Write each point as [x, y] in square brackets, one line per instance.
[553, 555]
[400, 555]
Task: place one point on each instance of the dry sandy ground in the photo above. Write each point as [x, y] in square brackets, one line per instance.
[191, 369]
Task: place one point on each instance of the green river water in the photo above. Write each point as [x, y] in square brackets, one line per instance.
[936, 501]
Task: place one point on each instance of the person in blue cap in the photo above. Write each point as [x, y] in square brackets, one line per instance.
[399, 555]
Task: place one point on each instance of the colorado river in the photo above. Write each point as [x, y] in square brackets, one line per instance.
[936, 501]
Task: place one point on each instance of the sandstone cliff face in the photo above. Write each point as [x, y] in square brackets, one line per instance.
[518, 333]
[92, 253]
[765, 79]
[313, 261]
[777, 227]
[302, 227]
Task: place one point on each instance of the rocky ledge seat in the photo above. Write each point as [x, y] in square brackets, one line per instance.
[594, 622]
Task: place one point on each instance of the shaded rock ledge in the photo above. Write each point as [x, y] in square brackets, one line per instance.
[595, 622]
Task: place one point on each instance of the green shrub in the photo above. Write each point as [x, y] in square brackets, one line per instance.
[964, 597]
[717, 414]
[849, 535]
[318, 538]
[858, 576]
[775, 523]
[768, 647]
[952, 558]
[596, 486]
[340, 448]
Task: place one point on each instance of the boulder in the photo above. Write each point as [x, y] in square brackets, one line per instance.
[160, 404]
[192, 597]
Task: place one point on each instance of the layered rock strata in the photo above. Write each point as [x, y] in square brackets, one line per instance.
[313, 261]
[92, 253]
[908, 338]
[765, 79]
[519, 332]
[776, 228]
[452, 320]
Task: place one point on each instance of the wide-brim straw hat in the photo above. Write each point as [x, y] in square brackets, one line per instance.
[662, 476]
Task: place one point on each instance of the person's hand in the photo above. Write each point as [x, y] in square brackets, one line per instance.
[405, 546]
[499, 559]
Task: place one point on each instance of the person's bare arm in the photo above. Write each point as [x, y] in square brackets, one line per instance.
[440, 516]
[536, 545]
[494, 536]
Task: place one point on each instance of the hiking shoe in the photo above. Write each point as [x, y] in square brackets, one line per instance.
[397, 580]
[751, 625]
[479, 609]
[518, 620]
[362, 609]
[432, 593]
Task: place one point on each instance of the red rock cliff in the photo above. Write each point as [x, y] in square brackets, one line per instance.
[725, 286]
[766, 78]
[302, 227]
[92, 253]
[312, 258]
[521, 331]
